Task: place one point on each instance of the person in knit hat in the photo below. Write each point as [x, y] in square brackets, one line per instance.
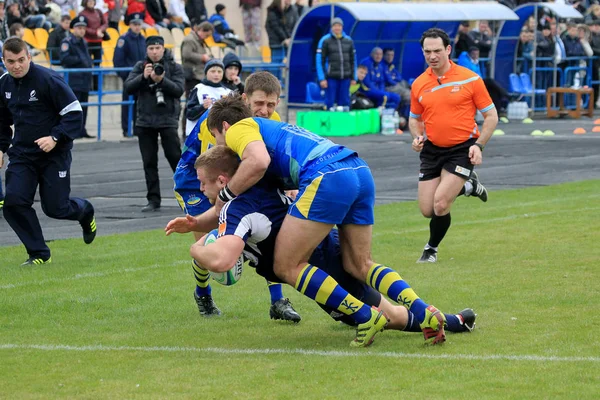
[231, 76]
[205, 93]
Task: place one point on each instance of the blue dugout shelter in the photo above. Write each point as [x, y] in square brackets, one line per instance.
[505, 51]
[395, 25]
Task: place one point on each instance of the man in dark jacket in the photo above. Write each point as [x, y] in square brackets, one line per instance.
[595, 43]
[74, 53]
[60, 33]
[158, 82]
[46, 118]
[158, 12]
[131, 48]
[336, 65]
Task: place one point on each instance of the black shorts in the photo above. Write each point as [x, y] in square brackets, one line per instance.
[453, 159]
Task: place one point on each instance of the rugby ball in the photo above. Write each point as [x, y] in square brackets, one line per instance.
[232, 276]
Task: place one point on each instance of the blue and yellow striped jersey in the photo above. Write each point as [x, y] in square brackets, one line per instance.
[293, 150]
[199, 140]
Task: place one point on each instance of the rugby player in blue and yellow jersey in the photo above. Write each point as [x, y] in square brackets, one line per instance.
[249, 224]
[335, 187]
[262, 96]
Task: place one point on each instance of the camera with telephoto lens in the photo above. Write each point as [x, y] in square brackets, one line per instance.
[159, 69]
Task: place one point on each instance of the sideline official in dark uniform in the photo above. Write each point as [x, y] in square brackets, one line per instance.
[158, 82]
[46, 118]
[74, 54]
[131, 48]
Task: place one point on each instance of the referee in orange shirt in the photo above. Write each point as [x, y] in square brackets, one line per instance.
[444, 100]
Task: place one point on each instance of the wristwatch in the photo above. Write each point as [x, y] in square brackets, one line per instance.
[54, 138]
[480, 146]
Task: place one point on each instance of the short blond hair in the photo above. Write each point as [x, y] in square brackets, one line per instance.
[218, 160]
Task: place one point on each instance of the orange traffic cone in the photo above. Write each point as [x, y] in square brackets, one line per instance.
[579, 131]
[596, 129]
[597, 121]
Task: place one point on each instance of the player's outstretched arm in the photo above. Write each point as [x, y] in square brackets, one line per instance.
[219, 256]
[181, 225]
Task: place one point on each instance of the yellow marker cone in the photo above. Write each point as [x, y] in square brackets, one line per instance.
[579, 131]
[537, 132]
[498, 132]
[548, 132]
[528, 121]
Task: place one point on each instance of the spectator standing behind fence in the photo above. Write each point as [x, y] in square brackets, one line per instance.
[196, 11]
[55, 38]
[277, 30]
[74, 54]
[131, 48]
[251, 13]
[46, 118]
[96, 25]
[336, 65]
[525, 50]
[158, 82]
[195, 53]
[482, 39]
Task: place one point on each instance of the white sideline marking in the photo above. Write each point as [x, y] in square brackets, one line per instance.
[485, 221]
[328, 353]
[89, 275]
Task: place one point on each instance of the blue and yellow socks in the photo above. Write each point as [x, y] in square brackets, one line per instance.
[319, 286]
[388, 282]
[202, 276]
[275, 291]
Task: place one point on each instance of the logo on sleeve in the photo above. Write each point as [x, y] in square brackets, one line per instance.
[32, 96]
[62, 174]
[121, 43]
[8, 95]
[64, 46]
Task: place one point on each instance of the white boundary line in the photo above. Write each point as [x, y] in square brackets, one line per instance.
[90, 275]
[324, 353]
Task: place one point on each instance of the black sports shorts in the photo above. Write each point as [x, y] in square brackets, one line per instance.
[453, 159]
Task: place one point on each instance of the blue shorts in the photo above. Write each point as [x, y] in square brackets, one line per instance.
[341, 193]
[192, 202]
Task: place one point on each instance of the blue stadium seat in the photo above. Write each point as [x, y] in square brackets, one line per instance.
[516, 86]
[526, 82]
[313, 93]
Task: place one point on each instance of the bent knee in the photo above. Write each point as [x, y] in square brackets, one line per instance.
[441, 206]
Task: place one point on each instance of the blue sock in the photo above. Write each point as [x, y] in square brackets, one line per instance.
[412, 325]
[453, 323]
[276, 291]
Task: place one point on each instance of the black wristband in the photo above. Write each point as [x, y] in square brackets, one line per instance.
[226, 194]
[480, 146]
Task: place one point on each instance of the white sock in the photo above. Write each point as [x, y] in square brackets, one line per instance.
[468, 188]
[427, 247]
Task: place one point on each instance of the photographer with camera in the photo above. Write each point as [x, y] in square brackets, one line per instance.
[158, 84]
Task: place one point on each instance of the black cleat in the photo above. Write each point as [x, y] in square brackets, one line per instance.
[282, 309]
[88, 224]
[429, 256]
[206, 305]
[478, 189]
[467, 319]
[37, 261]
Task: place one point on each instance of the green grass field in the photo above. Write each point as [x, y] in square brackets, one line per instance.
[117, 319]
